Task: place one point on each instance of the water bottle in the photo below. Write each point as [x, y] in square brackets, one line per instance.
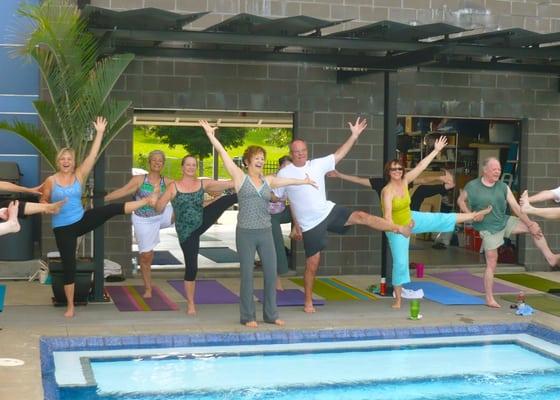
[383, 287]
[414, 308]
[134, 266]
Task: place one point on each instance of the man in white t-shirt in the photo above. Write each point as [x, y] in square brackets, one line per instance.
[549, 213]
[314, 214]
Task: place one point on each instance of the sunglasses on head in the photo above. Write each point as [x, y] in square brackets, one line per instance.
[396, 169]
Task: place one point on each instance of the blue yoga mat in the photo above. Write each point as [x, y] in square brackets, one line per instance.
[443, 295]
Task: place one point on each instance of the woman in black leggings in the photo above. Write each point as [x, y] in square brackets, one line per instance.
[192, 219]
[72, 220]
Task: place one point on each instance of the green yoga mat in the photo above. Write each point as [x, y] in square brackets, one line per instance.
[541, 302]
[530, 281]
[333, 289]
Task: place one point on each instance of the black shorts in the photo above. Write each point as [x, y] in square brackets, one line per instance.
[315, 239]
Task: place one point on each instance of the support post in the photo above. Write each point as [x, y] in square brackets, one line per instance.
[99, 233]
[389, 151]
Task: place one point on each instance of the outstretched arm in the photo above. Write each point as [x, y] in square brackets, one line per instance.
[462, 202]
[11, 187]
[356, 130]
[87, 165]
[130, 188]
[275, 181]
[167, 196]
[350, 178]
[235, 172]
[441, 142]
[217, 186]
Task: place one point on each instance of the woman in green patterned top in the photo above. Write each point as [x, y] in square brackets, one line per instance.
[192, 219]
[146, 221]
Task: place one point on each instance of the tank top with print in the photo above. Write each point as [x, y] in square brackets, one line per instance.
[145, 190]
[253, 205]
[188, 208]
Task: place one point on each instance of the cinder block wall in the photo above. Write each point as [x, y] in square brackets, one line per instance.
[322, 107]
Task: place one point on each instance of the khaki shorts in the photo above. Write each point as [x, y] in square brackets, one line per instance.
[491, 241]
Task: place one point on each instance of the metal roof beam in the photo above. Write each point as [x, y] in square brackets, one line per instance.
[327, 43]
[496, 66]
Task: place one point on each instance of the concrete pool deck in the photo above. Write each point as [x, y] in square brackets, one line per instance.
[28, 315]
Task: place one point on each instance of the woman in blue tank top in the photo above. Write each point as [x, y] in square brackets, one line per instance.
[254, 231]
[72, 220]
[146, 220]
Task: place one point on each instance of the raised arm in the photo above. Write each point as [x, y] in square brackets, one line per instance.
[235, 172]
[87, 165]
[356, 130]
[440, 143]
[166, 197]
[350, 178]
[127, 190]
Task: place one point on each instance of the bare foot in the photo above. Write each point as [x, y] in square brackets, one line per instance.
[191, 309]
[251, 324]
[492, 303]
[279, 285]
[396, 305]
[526, 207]
[69, 312]
[54, 208]
[309, 309]
[147, 293]
[279, 322]
[12, 222]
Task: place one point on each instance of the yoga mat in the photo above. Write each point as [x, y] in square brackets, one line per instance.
[335, 289]
[473, 282]
[540, 302]
[288, 297]
[129, 298]
[530, 281]
[443, 295]
[207, 292]
[206, 238]
[219, 254]
[163, 257]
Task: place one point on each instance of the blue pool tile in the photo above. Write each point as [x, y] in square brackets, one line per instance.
[445, 330]
[113, 341]
[198, 339]
[388, 334]
[95, 342]
[129, 341]
[432, 331]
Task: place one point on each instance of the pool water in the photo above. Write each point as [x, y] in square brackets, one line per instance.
[484, 371]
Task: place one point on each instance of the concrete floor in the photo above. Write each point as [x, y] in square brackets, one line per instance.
[28, 315]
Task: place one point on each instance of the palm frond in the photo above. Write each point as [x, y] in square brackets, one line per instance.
[35, 137]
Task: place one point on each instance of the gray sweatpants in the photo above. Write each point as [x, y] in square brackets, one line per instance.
[248, 242]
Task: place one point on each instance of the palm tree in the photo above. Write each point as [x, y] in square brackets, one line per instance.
[77, 78]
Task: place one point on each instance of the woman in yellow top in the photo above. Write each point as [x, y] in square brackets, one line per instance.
[395, 201]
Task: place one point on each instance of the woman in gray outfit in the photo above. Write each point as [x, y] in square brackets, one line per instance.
[254, 233]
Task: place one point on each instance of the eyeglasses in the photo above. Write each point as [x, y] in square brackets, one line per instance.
[396, 169]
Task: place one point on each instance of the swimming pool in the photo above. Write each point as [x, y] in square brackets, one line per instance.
[478, 361]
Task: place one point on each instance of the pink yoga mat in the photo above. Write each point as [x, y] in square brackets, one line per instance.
[473, 282]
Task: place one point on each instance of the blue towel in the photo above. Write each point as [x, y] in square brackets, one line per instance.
[2, 296]
[443, 295]
[524, 309]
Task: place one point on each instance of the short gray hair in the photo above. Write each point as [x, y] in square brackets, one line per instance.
[156, 153]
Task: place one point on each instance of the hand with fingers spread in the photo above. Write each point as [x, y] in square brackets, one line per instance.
[100, 125]
[440, 143]
[358, 127]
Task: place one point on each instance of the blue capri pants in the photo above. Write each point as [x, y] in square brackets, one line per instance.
[423, 222]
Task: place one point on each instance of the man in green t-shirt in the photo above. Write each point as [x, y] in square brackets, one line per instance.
[486, 191]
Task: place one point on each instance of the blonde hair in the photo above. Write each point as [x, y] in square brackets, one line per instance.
[156, 153]
[66, 150]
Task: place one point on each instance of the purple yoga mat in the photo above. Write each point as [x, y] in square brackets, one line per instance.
[288, 297]
[470, 281]
[207, 292]
[129, 298]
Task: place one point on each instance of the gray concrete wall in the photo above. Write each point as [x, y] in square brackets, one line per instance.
[322, 107]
